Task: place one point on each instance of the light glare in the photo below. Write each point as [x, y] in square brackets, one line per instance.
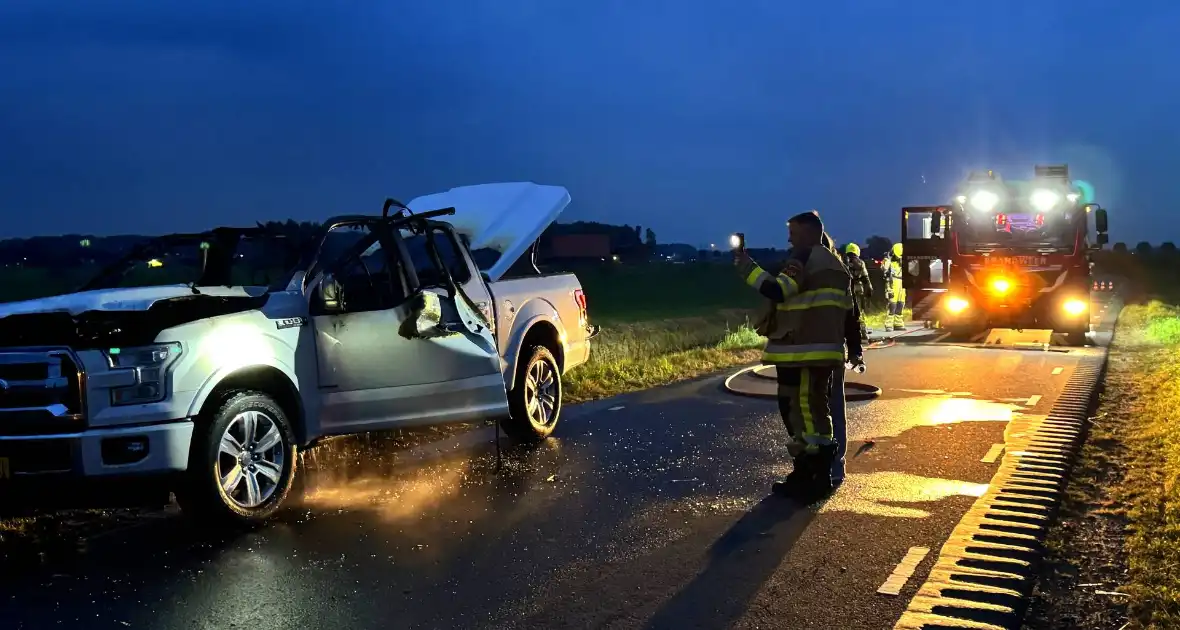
[985, 200]
[1044, 200]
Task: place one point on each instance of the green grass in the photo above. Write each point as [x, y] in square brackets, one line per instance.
[631, 293]
[664, 323]
[27, 283]
[1137, 441]
[629, 357]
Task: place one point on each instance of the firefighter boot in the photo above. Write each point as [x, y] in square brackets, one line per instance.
[811, 480]
[796, 483]
[821, 486]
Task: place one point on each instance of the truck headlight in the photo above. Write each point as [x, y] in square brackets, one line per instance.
[984, 200]
[1074, 307]
[1044, 200]
[150, 364]
[956, 305]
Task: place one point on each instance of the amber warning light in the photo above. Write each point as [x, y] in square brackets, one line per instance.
[1000, 286]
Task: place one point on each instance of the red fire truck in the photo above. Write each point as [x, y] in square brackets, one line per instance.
[1005, 254]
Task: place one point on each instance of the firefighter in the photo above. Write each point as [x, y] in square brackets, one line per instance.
[862, 287]
[894, 291]
[805, 333]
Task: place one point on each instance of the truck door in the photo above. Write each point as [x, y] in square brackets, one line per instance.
[926, 256]
[372, 375]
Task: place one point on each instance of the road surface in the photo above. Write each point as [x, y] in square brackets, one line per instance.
[651, 510]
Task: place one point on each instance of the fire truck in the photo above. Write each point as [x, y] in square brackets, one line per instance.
[1005, 254]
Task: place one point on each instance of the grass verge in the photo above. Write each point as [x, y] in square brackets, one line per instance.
[631, 356]
[1115, 555]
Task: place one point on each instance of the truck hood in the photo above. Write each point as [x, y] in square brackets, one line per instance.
[506, 217]
[131, 299]
[118, 317]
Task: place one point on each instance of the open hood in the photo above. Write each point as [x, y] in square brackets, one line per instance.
[131, 299]
[506, 217]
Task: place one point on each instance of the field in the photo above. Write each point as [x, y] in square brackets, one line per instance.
[663, 323]
[1115, 556]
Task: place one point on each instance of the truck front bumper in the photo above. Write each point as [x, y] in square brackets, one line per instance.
[1048, 312]
[154, 449]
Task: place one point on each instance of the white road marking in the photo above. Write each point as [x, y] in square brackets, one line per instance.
[993, 454]
[904, 571]
[616, 408]
[1033, 400]
[1058, 370]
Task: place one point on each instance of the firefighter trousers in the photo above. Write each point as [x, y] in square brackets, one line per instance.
[839, 424]
[804, 397]
[864, 328]
[896, 307]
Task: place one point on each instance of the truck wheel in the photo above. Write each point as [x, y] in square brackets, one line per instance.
[535, 401]
[1075, 339]
[241, 462]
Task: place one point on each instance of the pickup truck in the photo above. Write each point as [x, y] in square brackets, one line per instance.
[181, 366]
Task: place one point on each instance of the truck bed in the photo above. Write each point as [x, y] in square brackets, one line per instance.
[550, 293]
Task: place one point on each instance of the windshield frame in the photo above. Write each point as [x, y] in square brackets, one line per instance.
[1068, 221]
[1065, 242]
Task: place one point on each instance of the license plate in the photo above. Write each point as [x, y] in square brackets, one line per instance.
[5, 470]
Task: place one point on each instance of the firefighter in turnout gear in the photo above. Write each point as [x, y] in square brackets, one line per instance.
[805, 327]
[894, 291]
[862, 287]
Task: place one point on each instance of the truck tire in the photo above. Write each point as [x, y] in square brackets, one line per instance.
[534, 403]
[241, 462]
[1075, 338]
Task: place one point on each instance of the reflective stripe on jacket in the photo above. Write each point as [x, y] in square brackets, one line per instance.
[806, 326]
[892, 272]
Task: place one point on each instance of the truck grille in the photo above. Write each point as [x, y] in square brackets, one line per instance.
[41, 392]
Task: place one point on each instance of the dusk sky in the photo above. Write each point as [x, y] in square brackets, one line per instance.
[694, 118]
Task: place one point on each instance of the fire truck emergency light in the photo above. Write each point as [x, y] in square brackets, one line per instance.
[1000, 286]
[1044, 200]
[984, 200]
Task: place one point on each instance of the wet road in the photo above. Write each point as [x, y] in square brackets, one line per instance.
[646, 511]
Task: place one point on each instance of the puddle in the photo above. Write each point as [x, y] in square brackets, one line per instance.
[891, 417]
[877, 493]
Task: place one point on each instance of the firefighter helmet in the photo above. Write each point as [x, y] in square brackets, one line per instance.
[852, 248]
[896, 250]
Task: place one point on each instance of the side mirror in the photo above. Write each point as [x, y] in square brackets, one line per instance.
[1100, 225]
[1103, 239]
[424, 318]
[330, 295]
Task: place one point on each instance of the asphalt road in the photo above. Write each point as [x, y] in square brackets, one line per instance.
[651, 510]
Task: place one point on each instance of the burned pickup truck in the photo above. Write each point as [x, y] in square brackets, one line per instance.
[203, 363]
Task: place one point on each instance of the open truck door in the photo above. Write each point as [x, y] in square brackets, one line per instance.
[926, 257]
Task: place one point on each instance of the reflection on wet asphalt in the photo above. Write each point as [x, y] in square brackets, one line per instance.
[653, 515]
[874, 493]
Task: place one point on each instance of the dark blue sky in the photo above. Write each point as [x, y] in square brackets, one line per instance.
[695, 118]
